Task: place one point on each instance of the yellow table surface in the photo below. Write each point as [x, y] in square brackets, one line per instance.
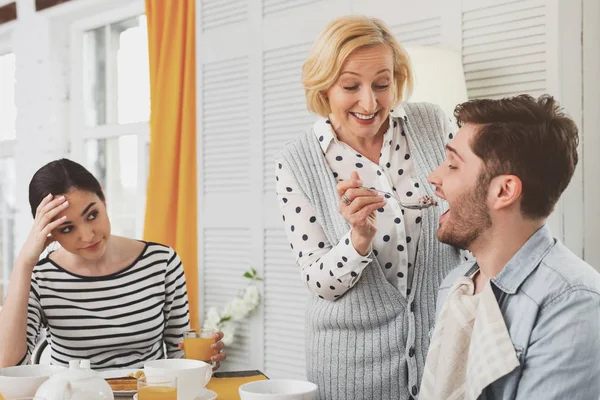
[227, 388]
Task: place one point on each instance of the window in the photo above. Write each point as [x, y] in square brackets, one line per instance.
[111, 101]
[8, 108]
[8, 116]
[114, 162]
[117, 81]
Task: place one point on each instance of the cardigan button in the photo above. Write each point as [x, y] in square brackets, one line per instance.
[412, 307]
[415, 390]
[411, 352]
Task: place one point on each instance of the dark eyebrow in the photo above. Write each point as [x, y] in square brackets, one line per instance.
[453, 150]
[85, 210]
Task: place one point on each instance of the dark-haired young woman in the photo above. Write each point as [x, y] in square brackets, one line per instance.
[114, 300]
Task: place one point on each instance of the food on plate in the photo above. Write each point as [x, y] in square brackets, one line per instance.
[137, 374]
[128, 382]
[122, 383]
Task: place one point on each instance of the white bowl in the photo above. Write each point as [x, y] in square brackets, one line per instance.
[280, 389]
[24, 380]
[192, 375]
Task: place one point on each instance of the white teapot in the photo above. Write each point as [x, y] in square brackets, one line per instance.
[79, 382]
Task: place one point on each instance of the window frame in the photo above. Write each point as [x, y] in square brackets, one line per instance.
[8, 146]
[79, 131]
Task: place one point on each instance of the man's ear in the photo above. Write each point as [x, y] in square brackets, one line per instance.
[506, 191]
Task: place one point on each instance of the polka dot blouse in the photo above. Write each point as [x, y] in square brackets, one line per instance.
[331, 269]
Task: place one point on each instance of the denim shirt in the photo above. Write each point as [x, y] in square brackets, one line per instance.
[550, 300]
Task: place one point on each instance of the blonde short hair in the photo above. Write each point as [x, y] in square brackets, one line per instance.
[335, 44]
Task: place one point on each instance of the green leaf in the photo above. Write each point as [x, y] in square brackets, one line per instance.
[258, 278]
[248, 275]
[225, 319]
[253, 270]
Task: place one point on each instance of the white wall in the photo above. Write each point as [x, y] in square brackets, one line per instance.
[591, 127]
[251, 102]
[40, 50]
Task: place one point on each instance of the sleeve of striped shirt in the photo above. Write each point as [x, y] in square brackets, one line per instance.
[34, 321]
[176, 308]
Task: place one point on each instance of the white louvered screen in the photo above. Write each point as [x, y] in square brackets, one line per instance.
[284, 302]
[216, 13]
[423, 33]
[277, 6]
[284, 107]
[225, 126]
[226, 258]
[504, 49]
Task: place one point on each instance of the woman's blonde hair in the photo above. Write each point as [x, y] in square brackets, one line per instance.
[335, 44]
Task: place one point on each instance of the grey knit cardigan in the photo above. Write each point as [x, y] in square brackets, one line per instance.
[372, 342]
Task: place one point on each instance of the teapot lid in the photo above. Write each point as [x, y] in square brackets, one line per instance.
[78, 369]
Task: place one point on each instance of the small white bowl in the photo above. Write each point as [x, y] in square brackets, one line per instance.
[280, 389]
[192, 375]
[24, 380]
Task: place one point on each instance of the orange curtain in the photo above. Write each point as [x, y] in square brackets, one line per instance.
[171, 204]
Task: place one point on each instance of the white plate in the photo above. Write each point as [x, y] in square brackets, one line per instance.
[119, 373]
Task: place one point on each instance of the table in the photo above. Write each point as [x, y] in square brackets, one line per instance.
[226, 384]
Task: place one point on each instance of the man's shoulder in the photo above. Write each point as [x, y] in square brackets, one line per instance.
[560, 272]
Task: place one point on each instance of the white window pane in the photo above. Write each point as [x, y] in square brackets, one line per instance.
[114, 162]
[117, 77]
[7, 222]
[8, 109]
[94, 77]
[133, 71]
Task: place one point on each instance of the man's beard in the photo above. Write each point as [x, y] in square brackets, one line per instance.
[468, 218]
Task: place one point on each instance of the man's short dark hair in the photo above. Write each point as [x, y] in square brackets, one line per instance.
[531, 139]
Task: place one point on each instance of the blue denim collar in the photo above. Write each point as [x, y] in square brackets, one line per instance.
[525, 261]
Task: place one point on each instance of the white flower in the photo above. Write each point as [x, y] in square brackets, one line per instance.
[228, 328]
[236, 309]
[251, 297]
[212, 319]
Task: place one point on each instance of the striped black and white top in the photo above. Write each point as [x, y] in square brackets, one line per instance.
[115, 321]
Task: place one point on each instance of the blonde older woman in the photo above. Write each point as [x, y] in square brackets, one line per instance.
[348, 190]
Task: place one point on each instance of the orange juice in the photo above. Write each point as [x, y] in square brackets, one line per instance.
[157, 393]
[1, 397]
[198, 348]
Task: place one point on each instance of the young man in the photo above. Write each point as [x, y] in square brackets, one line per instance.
[523, 322]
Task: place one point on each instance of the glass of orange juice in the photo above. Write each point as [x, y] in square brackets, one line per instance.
[157, 388]
[197, 344]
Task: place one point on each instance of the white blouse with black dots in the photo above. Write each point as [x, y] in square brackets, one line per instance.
[331, 269]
